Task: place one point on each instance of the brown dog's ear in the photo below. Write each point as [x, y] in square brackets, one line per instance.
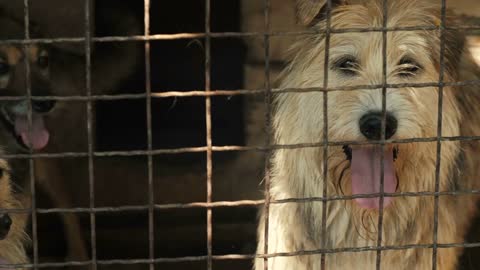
[454, 47]
[309, 11]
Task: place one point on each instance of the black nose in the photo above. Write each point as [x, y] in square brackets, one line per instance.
[43, 106]
[5, 223]
[371, 125]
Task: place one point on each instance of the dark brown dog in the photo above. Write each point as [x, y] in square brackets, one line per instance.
[57, 126]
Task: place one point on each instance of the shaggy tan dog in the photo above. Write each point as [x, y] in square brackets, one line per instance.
[12, 225]
[356, 59]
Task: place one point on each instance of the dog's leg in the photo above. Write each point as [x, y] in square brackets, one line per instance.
[56, 190]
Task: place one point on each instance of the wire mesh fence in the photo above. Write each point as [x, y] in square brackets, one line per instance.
[269, 92]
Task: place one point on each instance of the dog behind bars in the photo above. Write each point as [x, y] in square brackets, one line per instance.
[13, 238]
[412, 56]
[56, 126]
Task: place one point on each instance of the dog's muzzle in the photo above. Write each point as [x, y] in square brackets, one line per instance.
[43, 106]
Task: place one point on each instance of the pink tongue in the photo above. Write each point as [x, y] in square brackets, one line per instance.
[365, 171]
[37, 137]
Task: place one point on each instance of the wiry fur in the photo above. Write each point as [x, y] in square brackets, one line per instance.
[298, 118]
[12, 248]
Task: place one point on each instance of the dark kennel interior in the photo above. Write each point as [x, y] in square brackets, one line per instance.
[177, 65]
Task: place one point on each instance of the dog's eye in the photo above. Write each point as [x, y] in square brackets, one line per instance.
[408, 67]
[346, 65]
[42, 61]
[4, 68]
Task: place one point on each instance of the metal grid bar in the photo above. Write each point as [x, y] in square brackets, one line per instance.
[31, 164]
[226, 35]
[439, 133]
[208, 122]
[232, 148]
[267, 102]
[382, 136]
[246, 256]
[274, 91]
[325, 131]
[210, 148]
[91, 175]
[242, 203]
[229, 148]
[148, 99]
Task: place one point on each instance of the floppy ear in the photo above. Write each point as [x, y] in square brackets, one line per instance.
[454, 47]
[313, 10]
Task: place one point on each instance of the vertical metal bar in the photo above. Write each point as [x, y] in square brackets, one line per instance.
[268, 99]
[382, 144]
[91, 177]
[31, 164]
[325, 132]
[439, 133]
[208, 120]
[148, 85]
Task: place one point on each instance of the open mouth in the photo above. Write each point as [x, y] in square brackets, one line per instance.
[365, 171]
[16, 120]
[347, 150]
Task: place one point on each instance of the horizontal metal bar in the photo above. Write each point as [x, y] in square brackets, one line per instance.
[229, 148]
[241, 203]
[176, 36]
[243, 256]
[276, 91]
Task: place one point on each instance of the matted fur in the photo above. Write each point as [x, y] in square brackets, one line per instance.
[298, 118]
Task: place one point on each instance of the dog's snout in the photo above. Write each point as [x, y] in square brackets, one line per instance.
[43, 106]
[371, 125]
[5, 224]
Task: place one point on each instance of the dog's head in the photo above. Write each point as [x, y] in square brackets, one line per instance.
[357, 59]
[13, 82]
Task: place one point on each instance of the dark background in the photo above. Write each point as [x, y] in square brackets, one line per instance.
[176, 65]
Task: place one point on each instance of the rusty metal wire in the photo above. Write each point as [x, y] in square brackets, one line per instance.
[325, 131]
[209, 148]
[229, 148]
[208, 123]
[274, 91]
[382, 136]
[31, 165]
[175, 36]
[91, 175]
[242, 256]
[148, 100]
[439, 134]
[242, 203]
[268, 130]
